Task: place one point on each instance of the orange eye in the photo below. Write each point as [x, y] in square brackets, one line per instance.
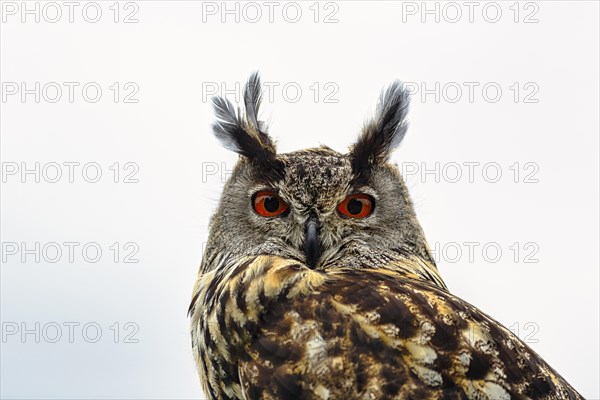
[356, 206]
[268, 204]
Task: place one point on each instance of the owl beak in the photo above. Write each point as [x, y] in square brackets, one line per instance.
[312, 242]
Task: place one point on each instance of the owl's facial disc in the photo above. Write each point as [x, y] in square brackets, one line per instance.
[318, 206]
[313, 209]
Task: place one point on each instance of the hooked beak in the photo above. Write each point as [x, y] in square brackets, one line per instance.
[312, 242]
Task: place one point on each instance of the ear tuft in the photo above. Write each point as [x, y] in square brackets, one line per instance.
[382, 134]
[240, 130]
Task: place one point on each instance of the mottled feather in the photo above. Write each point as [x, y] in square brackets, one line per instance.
[276, 329]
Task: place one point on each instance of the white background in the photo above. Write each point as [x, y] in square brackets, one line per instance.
[175, 55]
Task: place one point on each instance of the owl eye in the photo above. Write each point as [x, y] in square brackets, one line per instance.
[356, 205]
[268, 204]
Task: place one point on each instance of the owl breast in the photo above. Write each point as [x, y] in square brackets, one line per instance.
[271, 328]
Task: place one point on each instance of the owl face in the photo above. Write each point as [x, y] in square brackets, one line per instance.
[318, 206]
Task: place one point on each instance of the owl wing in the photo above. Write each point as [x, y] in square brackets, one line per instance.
[293, 333]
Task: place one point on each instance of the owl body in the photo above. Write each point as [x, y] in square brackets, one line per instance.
[273, 328]
[317, 282]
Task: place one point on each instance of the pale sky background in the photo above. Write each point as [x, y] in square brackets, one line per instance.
[518, 96]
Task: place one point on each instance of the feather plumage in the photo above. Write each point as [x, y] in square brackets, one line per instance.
[240, 130]
[272, 328]
[382, 134]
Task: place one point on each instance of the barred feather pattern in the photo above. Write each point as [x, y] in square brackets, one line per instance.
[267, 327]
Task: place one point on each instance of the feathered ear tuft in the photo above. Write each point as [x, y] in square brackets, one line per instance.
[241, 131]
[383, 133]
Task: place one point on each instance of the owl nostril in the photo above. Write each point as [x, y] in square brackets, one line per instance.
[312, 242]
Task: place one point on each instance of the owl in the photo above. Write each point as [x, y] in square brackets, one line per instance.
[317, 281]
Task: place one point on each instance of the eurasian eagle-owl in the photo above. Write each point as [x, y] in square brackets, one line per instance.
[317, 281]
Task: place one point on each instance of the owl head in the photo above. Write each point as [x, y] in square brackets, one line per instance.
[316, 205]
